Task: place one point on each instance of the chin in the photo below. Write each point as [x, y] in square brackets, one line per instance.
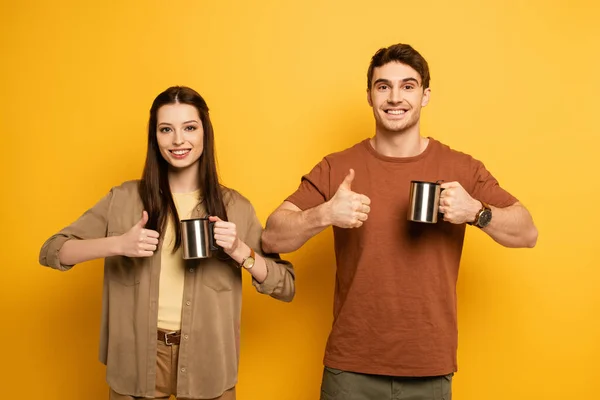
[399, 127]
[184, 164]
[395, 128]
[179, 166]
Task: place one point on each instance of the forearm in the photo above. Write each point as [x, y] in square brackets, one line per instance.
[77, 251]
[512, 227]
[288, 230]
[259, 270]
[278, 281]
[269, 276]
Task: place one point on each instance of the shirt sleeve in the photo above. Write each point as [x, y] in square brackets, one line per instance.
[91, 225]
[280, 280]
[314, 188]
[487, 189]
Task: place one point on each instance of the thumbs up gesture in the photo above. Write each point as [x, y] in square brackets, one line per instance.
[139, 241]
[348, 209]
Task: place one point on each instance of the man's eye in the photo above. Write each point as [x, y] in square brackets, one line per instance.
[408, 87]
[383, 87]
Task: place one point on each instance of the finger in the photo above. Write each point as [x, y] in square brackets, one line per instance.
[151, 234]
[142, 222]
[365, 200]
[448, 185]
[362, 217]
[227, 230]
[214, 218]
[145, 253]
[347, 183]
[223, 244]
[365, 209]
[224, 238]
[358, 224]
[224, 225]
[446, 193]
[148, 247]
[151, 241]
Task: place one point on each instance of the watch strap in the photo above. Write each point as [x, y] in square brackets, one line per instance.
[484, 206]
[251, 256]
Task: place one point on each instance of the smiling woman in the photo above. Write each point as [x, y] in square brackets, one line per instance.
[180, 134]
[171, 326]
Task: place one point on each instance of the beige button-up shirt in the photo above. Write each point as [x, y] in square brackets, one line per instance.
[212, 296]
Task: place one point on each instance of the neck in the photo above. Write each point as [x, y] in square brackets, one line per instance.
[407, 143]
[184, 180]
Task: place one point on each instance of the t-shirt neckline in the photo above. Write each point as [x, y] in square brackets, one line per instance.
[432, 143]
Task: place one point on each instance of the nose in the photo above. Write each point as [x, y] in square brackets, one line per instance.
[395, 95]
[178, 138]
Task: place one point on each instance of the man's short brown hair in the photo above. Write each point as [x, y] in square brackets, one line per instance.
[402, 53]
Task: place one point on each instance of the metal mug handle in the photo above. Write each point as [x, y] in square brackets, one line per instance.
[211, 232]
[441, 190]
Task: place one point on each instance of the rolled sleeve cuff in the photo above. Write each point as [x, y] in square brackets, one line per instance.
[49, 253]
[279, 282]
[271, 281]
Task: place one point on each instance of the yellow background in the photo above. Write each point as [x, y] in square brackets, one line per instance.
[514, 83]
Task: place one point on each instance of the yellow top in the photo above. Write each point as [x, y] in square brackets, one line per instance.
[172, 267]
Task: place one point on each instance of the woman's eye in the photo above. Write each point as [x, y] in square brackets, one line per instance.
[165, 130]
[190, 128]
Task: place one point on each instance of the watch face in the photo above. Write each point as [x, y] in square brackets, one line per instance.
[484, 218]
[248, 263]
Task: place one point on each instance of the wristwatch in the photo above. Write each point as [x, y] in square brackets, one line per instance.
[483, 217]
[248, 262]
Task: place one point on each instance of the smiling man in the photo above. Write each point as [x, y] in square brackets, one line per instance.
[394, 333]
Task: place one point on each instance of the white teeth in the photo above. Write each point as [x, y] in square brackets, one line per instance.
[396, 112]
[180, 152]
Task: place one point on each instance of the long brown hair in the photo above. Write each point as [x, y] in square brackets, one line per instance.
[154, 187]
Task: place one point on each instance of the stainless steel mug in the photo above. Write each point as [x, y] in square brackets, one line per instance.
[198, 238]
[424, 201]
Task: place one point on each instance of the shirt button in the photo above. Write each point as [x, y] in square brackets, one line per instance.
[192, 270]
[185, 337]
[188, 303]
[183, 370]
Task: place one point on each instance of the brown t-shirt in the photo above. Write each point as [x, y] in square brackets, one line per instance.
[395, 291]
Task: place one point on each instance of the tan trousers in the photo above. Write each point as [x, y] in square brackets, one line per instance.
[166, 376]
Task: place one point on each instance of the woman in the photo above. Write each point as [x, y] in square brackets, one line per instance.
[171, 326]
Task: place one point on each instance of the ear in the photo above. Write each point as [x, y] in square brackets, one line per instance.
[369, 97]
[426, 96]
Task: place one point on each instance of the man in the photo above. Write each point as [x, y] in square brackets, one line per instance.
[394, 334]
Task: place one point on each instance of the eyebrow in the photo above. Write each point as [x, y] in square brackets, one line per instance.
[186, 122]
[388, 82]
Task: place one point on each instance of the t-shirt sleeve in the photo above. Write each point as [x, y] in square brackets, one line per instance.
[314, 188]
[487, 189]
